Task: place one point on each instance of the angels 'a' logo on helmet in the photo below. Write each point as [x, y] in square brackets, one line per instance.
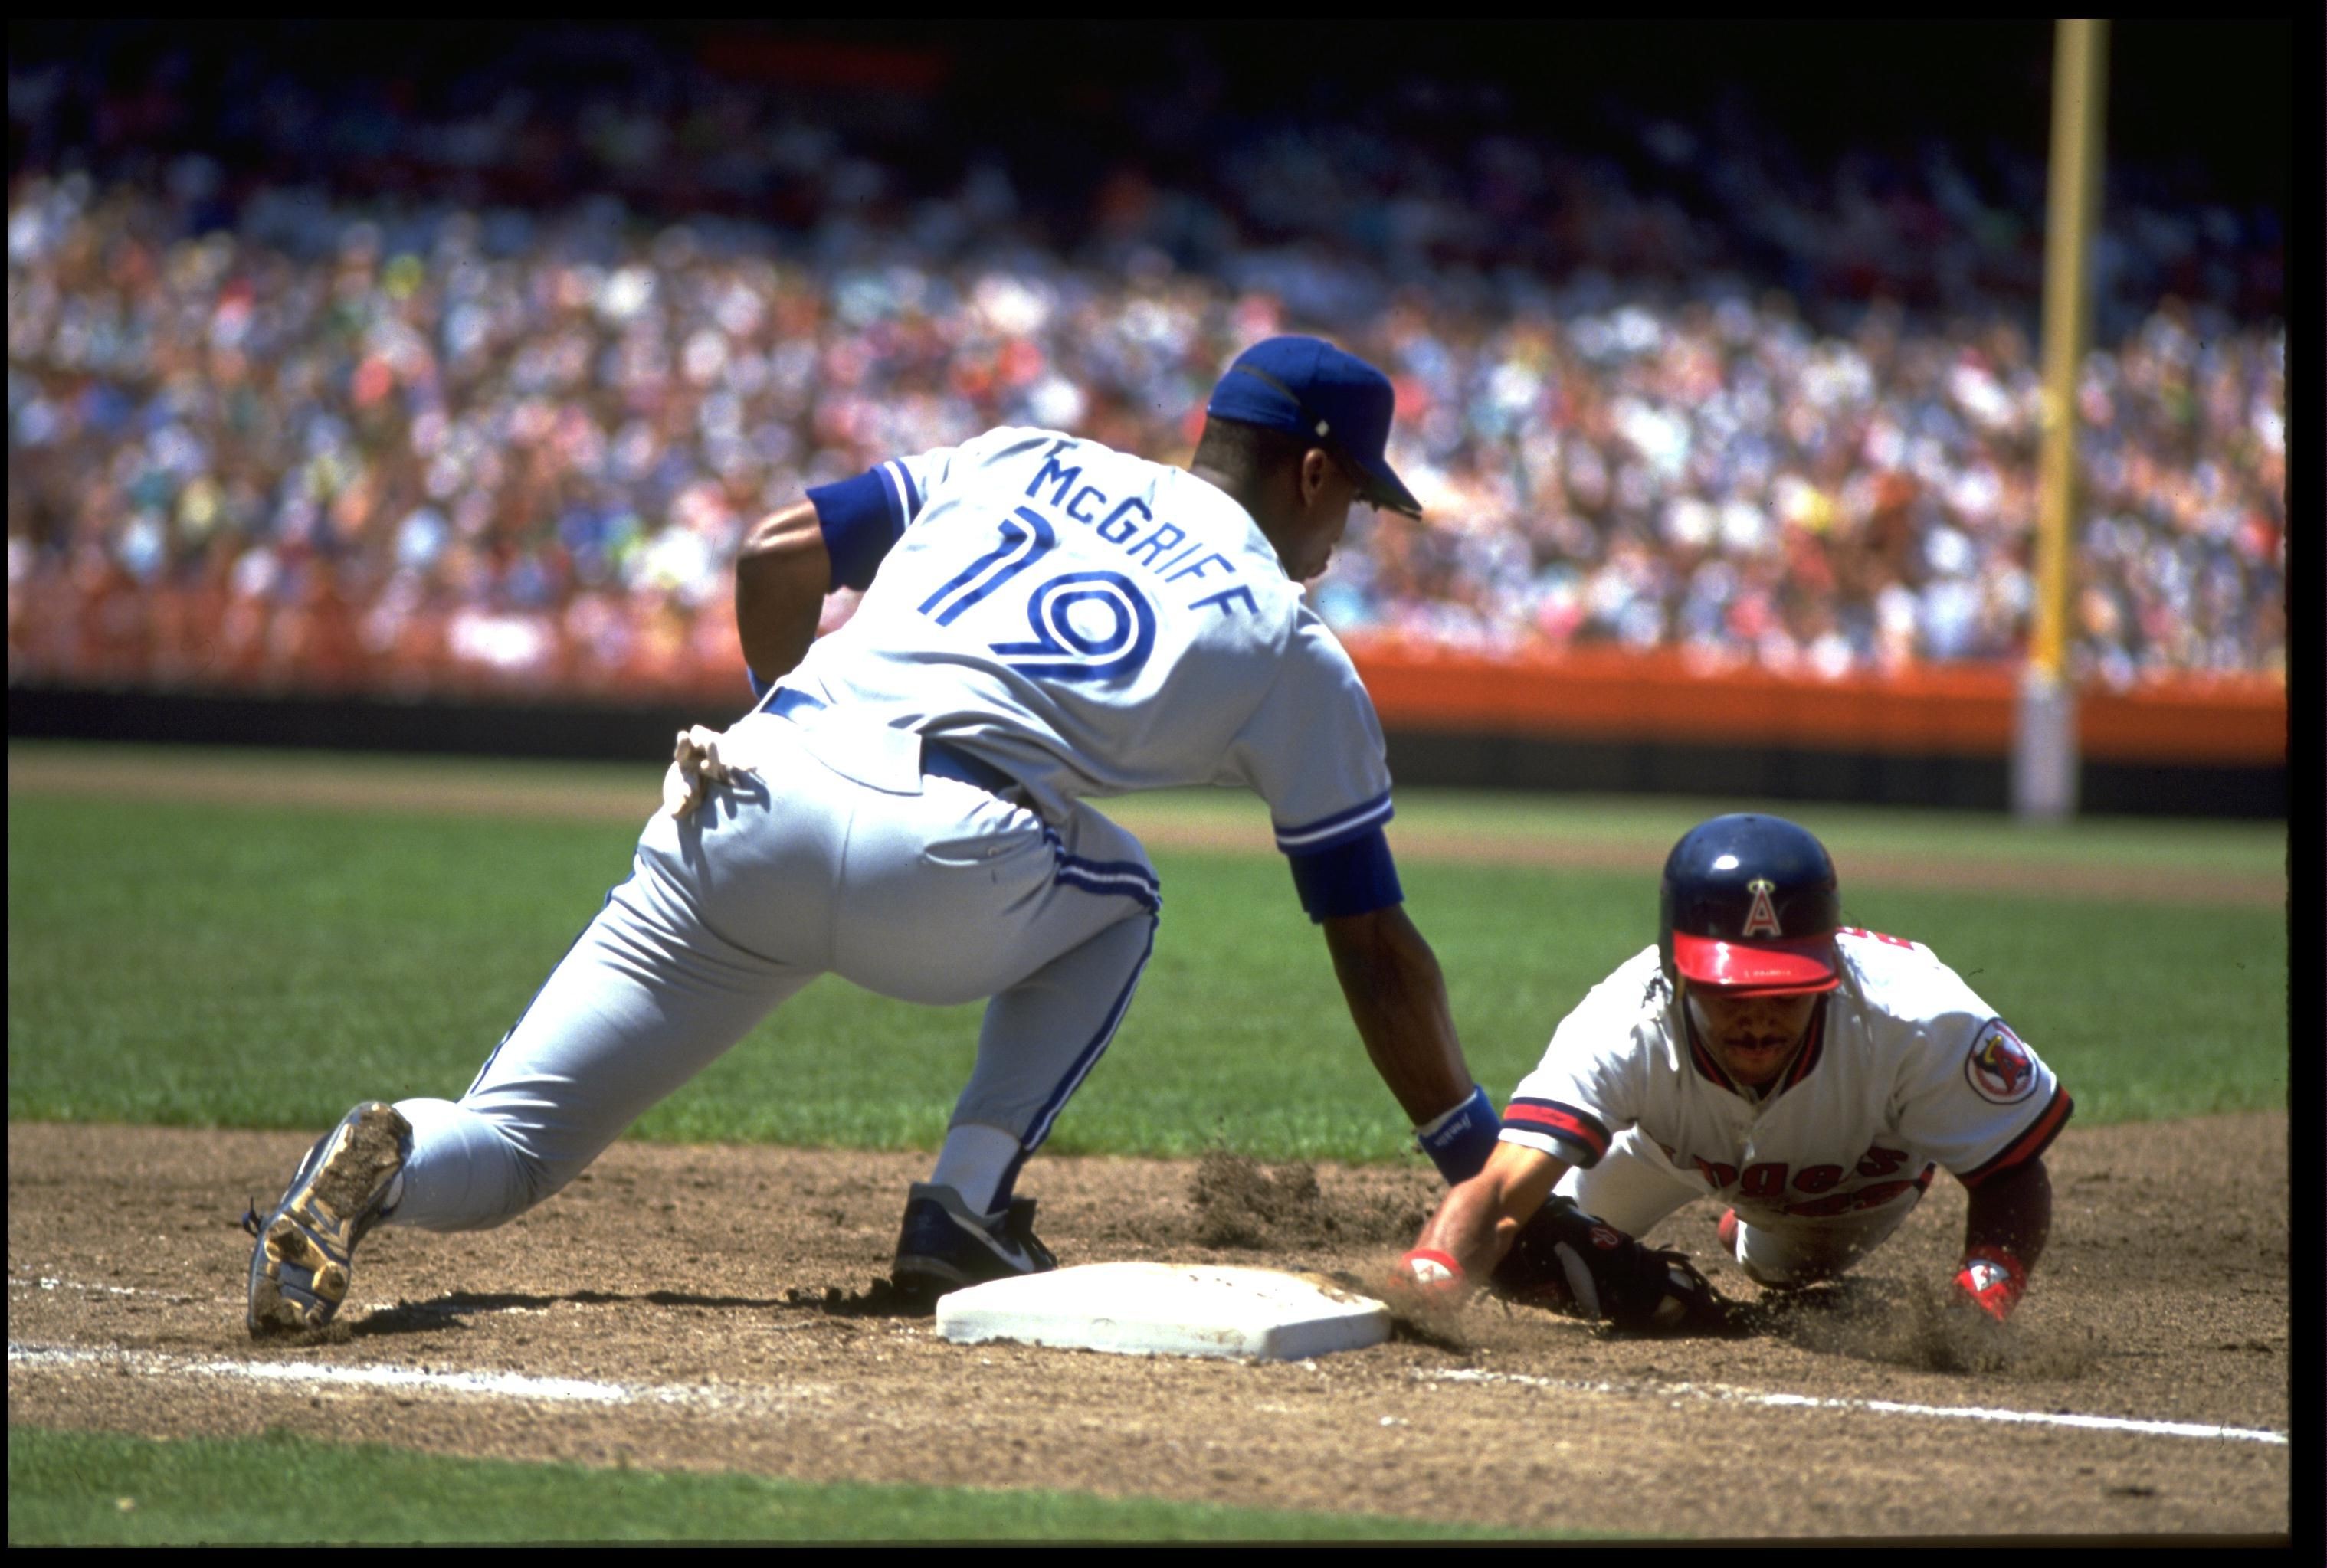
[1761, 919]
[1999, 1066]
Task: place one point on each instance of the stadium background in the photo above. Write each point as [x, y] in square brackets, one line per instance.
[417, 382]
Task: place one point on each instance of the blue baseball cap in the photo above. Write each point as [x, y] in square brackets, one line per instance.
[1306, 386]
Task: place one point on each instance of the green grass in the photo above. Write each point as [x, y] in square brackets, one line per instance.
[193, 964]
[1652, 821]
[1655, 821]
[97, 1488]
[204, 964]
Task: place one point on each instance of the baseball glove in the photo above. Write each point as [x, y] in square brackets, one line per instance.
[1569, 1262]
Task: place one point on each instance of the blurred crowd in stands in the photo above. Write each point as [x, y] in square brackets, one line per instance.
[499, 424]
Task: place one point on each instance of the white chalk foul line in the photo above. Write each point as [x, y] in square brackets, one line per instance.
[509, 1384]
[45, 1284]
[581, 1391]
[410, 1379]
[1881, 1407]
[178, 1298]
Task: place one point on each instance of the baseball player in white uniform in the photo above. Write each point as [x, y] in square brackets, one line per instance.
[1812, 1077]
[1044, 621]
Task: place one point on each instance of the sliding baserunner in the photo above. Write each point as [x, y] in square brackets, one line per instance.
[1813, 1077]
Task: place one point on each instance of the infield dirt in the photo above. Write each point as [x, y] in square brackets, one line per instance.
[735, 1280]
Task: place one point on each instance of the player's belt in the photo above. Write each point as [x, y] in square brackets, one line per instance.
[940, 759]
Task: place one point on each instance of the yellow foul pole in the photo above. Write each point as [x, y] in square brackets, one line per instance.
[2044, 761]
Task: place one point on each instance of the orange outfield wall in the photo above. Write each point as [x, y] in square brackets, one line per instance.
[1961, 710]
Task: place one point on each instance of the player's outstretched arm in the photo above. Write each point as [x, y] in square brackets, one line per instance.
[1463, 1242]
[782, 572]
[2009, 1219]
[1397, 999]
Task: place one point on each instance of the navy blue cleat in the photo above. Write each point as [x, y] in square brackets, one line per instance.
[944, 1246]
[299, 1267]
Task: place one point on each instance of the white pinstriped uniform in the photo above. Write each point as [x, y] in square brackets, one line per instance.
[1905, 1070]
[1086, 622]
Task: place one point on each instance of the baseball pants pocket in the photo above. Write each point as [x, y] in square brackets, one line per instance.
[955, 895]
[982, 851]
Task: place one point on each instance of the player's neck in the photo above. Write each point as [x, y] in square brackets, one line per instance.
[1245, 490]
[1238, 488]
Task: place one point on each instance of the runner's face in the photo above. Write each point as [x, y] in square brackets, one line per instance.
[1751, 1037]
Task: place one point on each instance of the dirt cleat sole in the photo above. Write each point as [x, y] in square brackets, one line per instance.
[299, 1268]
[945, 1245]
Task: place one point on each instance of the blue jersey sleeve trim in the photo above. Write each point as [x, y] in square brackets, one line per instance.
[912, 493]
[1354, 877]
[1341, 827]
[861, 517]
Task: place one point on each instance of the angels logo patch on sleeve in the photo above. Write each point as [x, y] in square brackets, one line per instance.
[1998, 1065]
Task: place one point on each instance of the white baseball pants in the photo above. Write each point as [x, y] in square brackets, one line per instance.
[1635, 1188]
[925, 889]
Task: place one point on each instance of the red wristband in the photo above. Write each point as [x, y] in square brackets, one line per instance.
[1994, 1279]
[1432, 1270]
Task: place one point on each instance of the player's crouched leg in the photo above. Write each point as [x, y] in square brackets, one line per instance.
[464, 1173]
[426, 1163]
[1786, 1253]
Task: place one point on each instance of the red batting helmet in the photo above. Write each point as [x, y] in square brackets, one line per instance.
[1749, 905]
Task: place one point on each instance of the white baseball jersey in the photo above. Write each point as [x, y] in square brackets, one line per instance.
[1903, 1069]
[1093, 624]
